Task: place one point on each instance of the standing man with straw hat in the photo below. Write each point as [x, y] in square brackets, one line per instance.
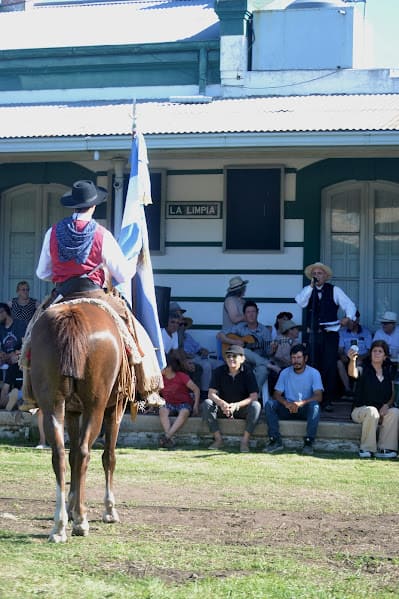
[234, 302]
[321, 301]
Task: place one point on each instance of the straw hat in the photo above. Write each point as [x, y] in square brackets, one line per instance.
[188, 322]
[308, 269]
[236, 283]
[389, 317]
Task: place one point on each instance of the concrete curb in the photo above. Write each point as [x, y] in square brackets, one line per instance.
[146, 429]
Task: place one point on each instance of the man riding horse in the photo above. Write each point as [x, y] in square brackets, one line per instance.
[75, 252]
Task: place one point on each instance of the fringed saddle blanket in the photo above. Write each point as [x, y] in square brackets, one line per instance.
[137, 343]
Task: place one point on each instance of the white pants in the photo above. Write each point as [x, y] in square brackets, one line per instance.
[368, 417]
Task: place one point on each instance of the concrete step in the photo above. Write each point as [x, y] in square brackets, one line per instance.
[145, 430]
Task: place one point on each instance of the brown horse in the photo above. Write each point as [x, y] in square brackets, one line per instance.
[78, 365]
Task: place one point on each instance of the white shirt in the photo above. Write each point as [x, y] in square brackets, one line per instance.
[112, 257]
[169, 341]
[340, 298]
[392, 340]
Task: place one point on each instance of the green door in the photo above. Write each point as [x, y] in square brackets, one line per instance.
[27, 211]
[360, 240]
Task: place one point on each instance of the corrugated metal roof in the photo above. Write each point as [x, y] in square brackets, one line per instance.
[250, 115]
[140, 22]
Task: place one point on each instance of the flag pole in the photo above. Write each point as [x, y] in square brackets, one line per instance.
[133, 240]
[134, 122]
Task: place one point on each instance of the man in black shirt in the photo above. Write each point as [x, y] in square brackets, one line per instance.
[233, 393]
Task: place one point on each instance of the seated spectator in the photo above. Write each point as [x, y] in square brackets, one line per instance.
[280, 319]
[23, 307]
[353, 334]
[297, 395]
[172, 337]
[169, 333]
[177, 393]
[233, 304]
[254, 337]
[233, 394]
[280, 348]
[374, 401]
[11, 335]
[12, 382]
[389, 333]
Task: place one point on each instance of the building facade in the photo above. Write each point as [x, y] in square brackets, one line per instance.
[268, 151]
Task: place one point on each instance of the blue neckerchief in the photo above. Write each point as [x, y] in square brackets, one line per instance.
[72, 244]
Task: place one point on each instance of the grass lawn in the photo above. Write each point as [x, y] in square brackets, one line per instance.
[203, 524]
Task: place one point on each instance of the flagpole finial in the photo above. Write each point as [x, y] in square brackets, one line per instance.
[134, 122]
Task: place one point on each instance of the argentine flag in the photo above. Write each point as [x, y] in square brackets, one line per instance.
[133, 239]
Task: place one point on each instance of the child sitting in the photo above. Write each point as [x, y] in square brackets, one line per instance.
[177, 393]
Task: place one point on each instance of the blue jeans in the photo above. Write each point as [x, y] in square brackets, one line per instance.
[275, 412]
[210, 413]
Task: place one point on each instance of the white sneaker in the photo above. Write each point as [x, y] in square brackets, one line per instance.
[363, 453]
[386, 454]
[42, 447]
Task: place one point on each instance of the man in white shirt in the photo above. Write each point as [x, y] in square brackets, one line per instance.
[76, 249]
[322, 300]
[74, 254]
[169, 333]
[389, 333]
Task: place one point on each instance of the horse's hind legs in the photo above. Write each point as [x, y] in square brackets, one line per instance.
[110, 515]
[112, 418]
[58, 533]
[53, 428]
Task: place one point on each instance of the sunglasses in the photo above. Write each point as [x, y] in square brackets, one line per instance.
[232, 355]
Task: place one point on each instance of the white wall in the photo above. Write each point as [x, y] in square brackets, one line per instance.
[197, 269]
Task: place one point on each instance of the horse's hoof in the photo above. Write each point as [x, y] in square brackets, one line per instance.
[111, 518]
[58, 538]
[78, 531]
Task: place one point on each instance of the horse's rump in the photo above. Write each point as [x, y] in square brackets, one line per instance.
[70, 328]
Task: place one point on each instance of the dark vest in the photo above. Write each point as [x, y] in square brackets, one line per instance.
[326, 310]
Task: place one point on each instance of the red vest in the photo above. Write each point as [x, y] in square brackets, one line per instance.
[62, 271]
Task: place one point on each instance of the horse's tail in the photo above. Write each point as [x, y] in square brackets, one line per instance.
[71, 330]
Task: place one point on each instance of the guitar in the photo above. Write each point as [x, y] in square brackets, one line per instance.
[250, 342]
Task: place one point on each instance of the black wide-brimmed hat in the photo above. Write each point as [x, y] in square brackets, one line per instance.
[84, 194]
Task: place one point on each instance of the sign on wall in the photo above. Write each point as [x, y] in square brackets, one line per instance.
[194, 210]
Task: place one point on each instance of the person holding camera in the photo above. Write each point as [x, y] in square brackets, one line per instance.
[373, 405]
[353, 334]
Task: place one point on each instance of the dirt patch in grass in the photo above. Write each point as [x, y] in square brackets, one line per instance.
[374, 539]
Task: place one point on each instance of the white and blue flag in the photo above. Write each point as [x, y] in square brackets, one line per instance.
[133, 239]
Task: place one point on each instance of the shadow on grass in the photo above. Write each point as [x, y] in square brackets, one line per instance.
[19, 537]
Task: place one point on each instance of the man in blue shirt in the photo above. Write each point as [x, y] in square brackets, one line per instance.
[297, 394]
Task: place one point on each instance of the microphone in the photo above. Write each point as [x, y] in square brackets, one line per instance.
[314, 281]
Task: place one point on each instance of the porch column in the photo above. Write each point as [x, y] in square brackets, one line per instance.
[119, 168]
